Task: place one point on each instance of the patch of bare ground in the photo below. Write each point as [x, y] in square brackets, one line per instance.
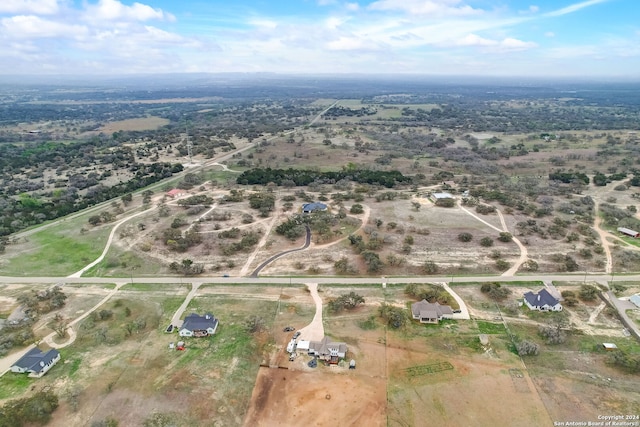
[325, 396]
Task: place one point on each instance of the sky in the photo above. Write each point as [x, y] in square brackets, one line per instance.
[538, 38]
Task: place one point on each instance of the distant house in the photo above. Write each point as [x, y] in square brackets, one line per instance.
[440, 196]
[308, 208]
[635, 299]
[36, 363]
[195, 325]
[176, 192]
[542, 301]
[628, 232]
[328, 350]
[427, 312]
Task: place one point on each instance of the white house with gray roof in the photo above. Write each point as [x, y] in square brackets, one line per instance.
[542, 301]
[328, 350]
[36, 363]
[427, 312]
[195, 325]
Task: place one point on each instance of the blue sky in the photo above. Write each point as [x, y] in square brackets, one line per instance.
[541, 38]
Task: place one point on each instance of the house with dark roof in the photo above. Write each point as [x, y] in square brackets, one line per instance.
[195, 325]
[36, 363]
[328, 350]
[427, 312]
[308, 208]
[542, 301]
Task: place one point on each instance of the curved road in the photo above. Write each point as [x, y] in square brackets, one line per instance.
[307, 242]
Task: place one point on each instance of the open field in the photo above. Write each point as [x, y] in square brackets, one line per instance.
[144, 123]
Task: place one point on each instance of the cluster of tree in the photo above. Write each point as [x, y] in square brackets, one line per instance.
[430, 293]
[292, 228]
[302, 177]
[35, 409]
[40, 302]
[394, 317]
[263, 201]
[554, 334]
[568, 177]
[495, 291]
[626, 360]
[366, 251]
[345, 302]
[28, 210]
[601, 179]
[179, 242]
[16, 335]
[249, 239]
[187, 267]
[527, 348]
[200, 199]
[339, 111]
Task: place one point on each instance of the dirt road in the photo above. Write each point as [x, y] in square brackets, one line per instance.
[314, 331]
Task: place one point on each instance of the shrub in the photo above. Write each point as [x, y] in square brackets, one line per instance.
[486, 242]
[465, 237]
[505, 237]
[527, 348]
[588, 292]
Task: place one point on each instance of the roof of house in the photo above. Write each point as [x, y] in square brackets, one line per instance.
[428, 310]
[541, 298]
[442, 195]
[628, 231]
[315, 206]
[635, 299]
[325, 345]
[35, 359]
[175, 192]
[195, 322]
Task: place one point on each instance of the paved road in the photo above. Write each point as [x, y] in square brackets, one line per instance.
[343, 280]
[307, 242]
[622, 306]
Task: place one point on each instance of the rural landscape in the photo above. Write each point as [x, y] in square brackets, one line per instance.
[225, 250]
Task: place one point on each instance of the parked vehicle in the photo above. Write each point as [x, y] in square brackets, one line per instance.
[288, 329]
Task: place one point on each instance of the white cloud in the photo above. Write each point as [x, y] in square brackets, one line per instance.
[33, 27]
[575, 7]
[425, 7]
[533, 8]
[113, 10]
[549, 34]
[507, 44]
[352, 7]
[37, 7]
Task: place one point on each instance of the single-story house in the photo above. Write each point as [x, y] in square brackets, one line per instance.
[440, 196]
[328, 350]
[635, 299]
[308, 208]
[36, 363]
[628, 232]
[195, 325]
[427, 312]
[542, 301]
[176, 192]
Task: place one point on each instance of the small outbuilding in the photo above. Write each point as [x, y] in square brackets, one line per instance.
[628, 232]
[176, 192]
[440, 196]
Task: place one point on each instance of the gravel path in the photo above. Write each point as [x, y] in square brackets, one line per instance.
[314, 331]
